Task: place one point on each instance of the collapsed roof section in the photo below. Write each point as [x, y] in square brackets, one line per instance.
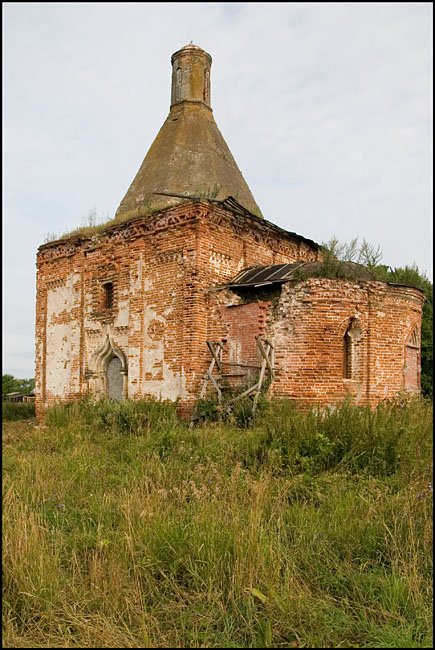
[261, 276]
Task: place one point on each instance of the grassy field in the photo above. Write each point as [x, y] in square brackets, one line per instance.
[123, 528]
[18, 410]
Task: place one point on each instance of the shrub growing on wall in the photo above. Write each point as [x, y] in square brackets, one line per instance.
[335, 257]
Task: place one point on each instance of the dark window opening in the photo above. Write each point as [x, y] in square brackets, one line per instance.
[108, 295]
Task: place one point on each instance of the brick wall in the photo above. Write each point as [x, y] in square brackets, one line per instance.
[162, 269]
[165, 271]
[308, 330]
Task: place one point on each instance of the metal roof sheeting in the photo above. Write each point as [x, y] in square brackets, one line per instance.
[258, 276]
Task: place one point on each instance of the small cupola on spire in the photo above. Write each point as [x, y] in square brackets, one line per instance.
[189, 157]
[191, 75]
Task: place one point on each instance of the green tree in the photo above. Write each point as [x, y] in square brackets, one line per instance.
[11, 384]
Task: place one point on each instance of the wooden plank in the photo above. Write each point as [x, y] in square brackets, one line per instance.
[215, 384]
[260, 382]
[233, 374]
[206, 379]
[265, 353]
[240, 365]
[245, 393]
[272, 360]
[216, 351]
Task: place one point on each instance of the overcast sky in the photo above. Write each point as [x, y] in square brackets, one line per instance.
[326, 107]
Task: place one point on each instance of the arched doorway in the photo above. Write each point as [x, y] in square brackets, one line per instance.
[114, 379]
[108, 371]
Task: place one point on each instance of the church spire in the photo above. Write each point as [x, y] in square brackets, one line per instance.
[189, 156]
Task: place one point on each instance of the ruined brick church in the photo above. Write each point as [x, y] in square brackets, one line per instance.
[190, 291]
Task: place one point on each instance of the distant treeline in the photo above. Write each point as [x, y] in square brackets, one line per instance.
[11, 384]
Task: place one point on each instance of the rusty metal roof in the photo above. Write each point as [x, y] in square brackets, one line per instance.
[231, 204]
[257, 276]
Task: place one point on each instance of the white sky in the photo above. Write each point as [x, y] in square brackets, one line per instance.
[326, 107]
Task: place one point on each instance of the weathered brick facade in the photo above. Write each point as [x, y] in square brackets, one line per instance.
[307, 326]
[162, 268]
[128, 310]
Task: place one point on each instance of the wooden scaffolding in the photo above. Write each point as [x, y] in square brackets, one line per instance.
[220, 373]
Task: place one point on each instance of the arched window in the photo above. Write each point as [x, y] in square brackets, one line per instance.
[178, 80]
[352, 351]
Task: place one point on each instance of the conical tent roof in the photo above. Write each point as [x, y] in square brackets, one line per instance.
[189, 156]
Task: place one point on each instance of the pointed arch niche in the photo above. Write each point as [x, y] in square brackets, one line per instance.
[108, 371]
[352, 351]
[411, 367]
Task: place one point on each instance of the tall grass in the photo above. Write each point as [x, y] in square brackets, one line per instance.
[18, 410]
[123, 527]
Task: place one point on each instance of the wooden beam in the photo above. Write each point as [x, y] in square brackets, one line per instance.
[245, 393]
[215, 384]
[206, 379]
[216, 351]
[260, 382]
[266, 353]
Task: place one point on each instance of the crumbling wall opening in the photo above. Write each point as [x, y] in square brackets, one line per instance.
[178, 84]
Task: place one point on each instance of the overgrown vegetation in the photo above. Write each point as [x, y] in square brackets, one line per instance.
[92, 223]
[365, 261]
[411, 276]
[18, 410]
[123, 527]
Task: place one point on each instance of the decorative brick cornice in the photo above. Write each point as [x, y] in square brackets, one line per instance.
[55, 284]
[124, 232]
[401, 291]
[259, 230]
[170, 256]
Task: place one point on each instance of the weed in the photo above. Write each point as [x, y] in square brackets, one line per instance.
[123, 527]
[18, 410]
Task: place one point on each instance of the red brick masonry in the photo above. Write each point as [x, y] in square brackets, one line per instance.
[165, 269]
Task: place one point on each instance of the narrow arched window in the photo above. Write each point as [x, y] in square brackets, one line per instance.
[206, 91]
[352, 351]
[347, 354]
[178, 80]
